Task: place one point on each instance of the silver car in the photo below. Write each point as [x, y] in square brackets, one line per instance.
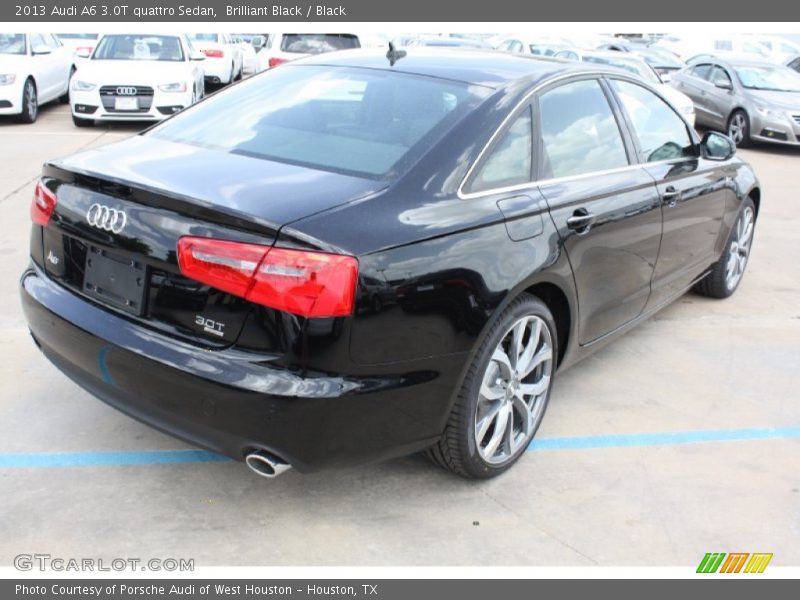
[747, 99]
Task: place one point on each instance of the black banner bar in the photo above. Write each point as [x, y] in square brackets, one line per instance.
[398, 11]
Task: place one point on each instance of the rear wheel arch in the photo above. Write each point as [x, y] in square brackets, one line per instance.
[556, 300]
[755, 195]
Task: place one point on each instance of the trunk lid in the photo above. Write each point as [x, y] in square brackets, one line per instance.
[121, 210]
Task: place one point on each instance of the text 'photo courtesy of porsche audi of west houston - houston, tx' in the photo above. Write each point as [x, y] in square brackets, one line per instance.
[362, 255]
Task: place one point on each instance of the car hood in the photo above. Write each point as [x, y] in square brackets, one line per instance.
[131, 72]
[780, 100]
[266, 191]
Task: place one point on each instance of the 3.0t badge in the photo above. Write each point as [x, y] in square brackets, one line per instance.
[105, 218]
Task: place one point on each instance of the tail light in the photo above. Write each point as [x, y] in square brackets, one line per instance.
[214, 53]
[43, 205]
[84, 49]
[275, 62]
[310, 284]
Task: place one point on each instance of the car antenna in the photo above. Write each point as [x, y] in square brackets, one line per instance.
[394, 54]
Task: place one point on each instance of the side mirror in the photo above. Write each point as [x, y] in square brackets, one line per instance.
[41, 49]
[716, 146]
[258, 42]
[83, 53]
[195, 55]
[724, 84]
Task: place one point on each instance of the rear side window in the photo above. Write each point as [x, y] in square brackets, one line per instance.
[661, 133]
[510, 161]
[579, 131]
[720, 76]
[359, 121]
[701, 71]
[316, 43]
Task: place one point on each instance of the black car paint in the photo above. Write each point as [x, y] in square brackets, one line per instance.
[328, 392]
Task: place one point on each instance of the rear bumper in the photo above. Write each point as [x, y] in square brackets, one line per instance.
[232, 402]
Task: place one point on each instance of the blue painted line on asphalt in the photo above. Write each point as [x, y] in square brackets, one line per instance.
[663, 439]
[160, 457]
[91, 459]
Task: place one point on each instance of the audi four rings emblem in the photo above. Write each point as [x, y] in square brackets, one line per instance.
[126, 91]
[108, 219]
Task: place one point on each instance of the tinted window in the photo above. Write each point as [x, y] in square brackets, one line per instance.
[795, 64]
[719, 76]
[203, 37]
[510, 161]
[662, 134]
[701, 71]
[12, 43]
[366, 122]
[511, 46]
[579, 131]
[726, 45]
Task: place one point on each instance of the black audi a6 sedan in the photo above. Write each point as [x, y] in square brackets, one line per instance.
[355, 256]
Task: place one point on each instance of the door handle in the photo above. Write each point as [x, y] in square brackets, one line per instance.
[581, 220]
[670, 197]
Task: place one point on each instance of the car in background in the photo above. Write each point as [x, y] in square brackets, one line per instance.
[285, 47]
[537, 45]
[780, 49]
[136, 77]
[253, 59]
[634, 64]
[79, 43]
[35, 68]
[664, 62]
[688, 46]
[794, 63]
[749, 100]
[449, 42]
[224, 57]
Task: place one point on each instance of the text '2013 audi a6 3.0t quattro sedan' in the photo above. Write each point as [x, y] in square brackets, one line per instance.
[363, 255]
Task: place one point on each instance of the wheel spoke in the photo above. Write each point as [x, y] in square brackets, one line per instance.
[524, 364]
[525, 414]
[482, 427]
[499, 432]
[535, 389]
[543, 355]
[501, 358]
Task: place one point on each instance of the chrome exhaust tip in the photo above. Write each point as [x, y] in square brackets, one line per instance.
[265, 464]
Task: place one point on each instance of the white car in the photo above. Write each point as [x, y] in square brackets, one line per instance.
[689, 46]
[253, 59]
[634, 64]
[34, 68]
[136, 77]
[78, 43]
[283, 47]
[224, 60]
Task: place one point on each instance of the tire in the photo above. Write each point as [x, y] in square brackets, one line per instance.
[78, 122]
[739, 128]
[64, 98]
[30, 103]
[727, 273]
[492, 386]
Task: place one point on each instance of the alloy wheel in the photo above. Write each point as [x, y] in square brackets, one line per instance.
[739, 250]
[737, 128]
[31, 105]
[513, 391]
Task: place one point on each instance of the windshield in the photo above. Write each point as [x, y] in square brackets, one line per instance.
[76, 36]
[772, 79]
[660, 58]
[314, 43]
[364, 122]
[139, 47]
[203, 37]
[12, 43]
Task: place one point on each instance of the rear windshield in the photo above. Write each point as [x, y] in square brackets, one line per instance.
[317, 43]
[139, 47]
[365, 122]
[203, 37]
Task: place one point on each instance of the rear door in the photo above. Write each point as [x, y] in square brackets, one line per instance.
[694, 83]
[604, 205]
[693, 190]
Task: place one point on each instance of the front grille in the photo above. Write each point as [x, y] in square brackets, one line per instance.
[109, 94]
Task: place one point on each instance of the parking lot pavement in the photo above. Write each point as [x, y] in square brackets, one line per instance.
[701, 404]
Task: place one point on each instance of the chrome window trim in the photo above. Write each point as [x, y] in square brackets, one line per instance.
[533, 184]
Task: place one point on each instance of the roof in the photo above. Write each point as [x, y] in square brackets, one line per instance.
[480, 67]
